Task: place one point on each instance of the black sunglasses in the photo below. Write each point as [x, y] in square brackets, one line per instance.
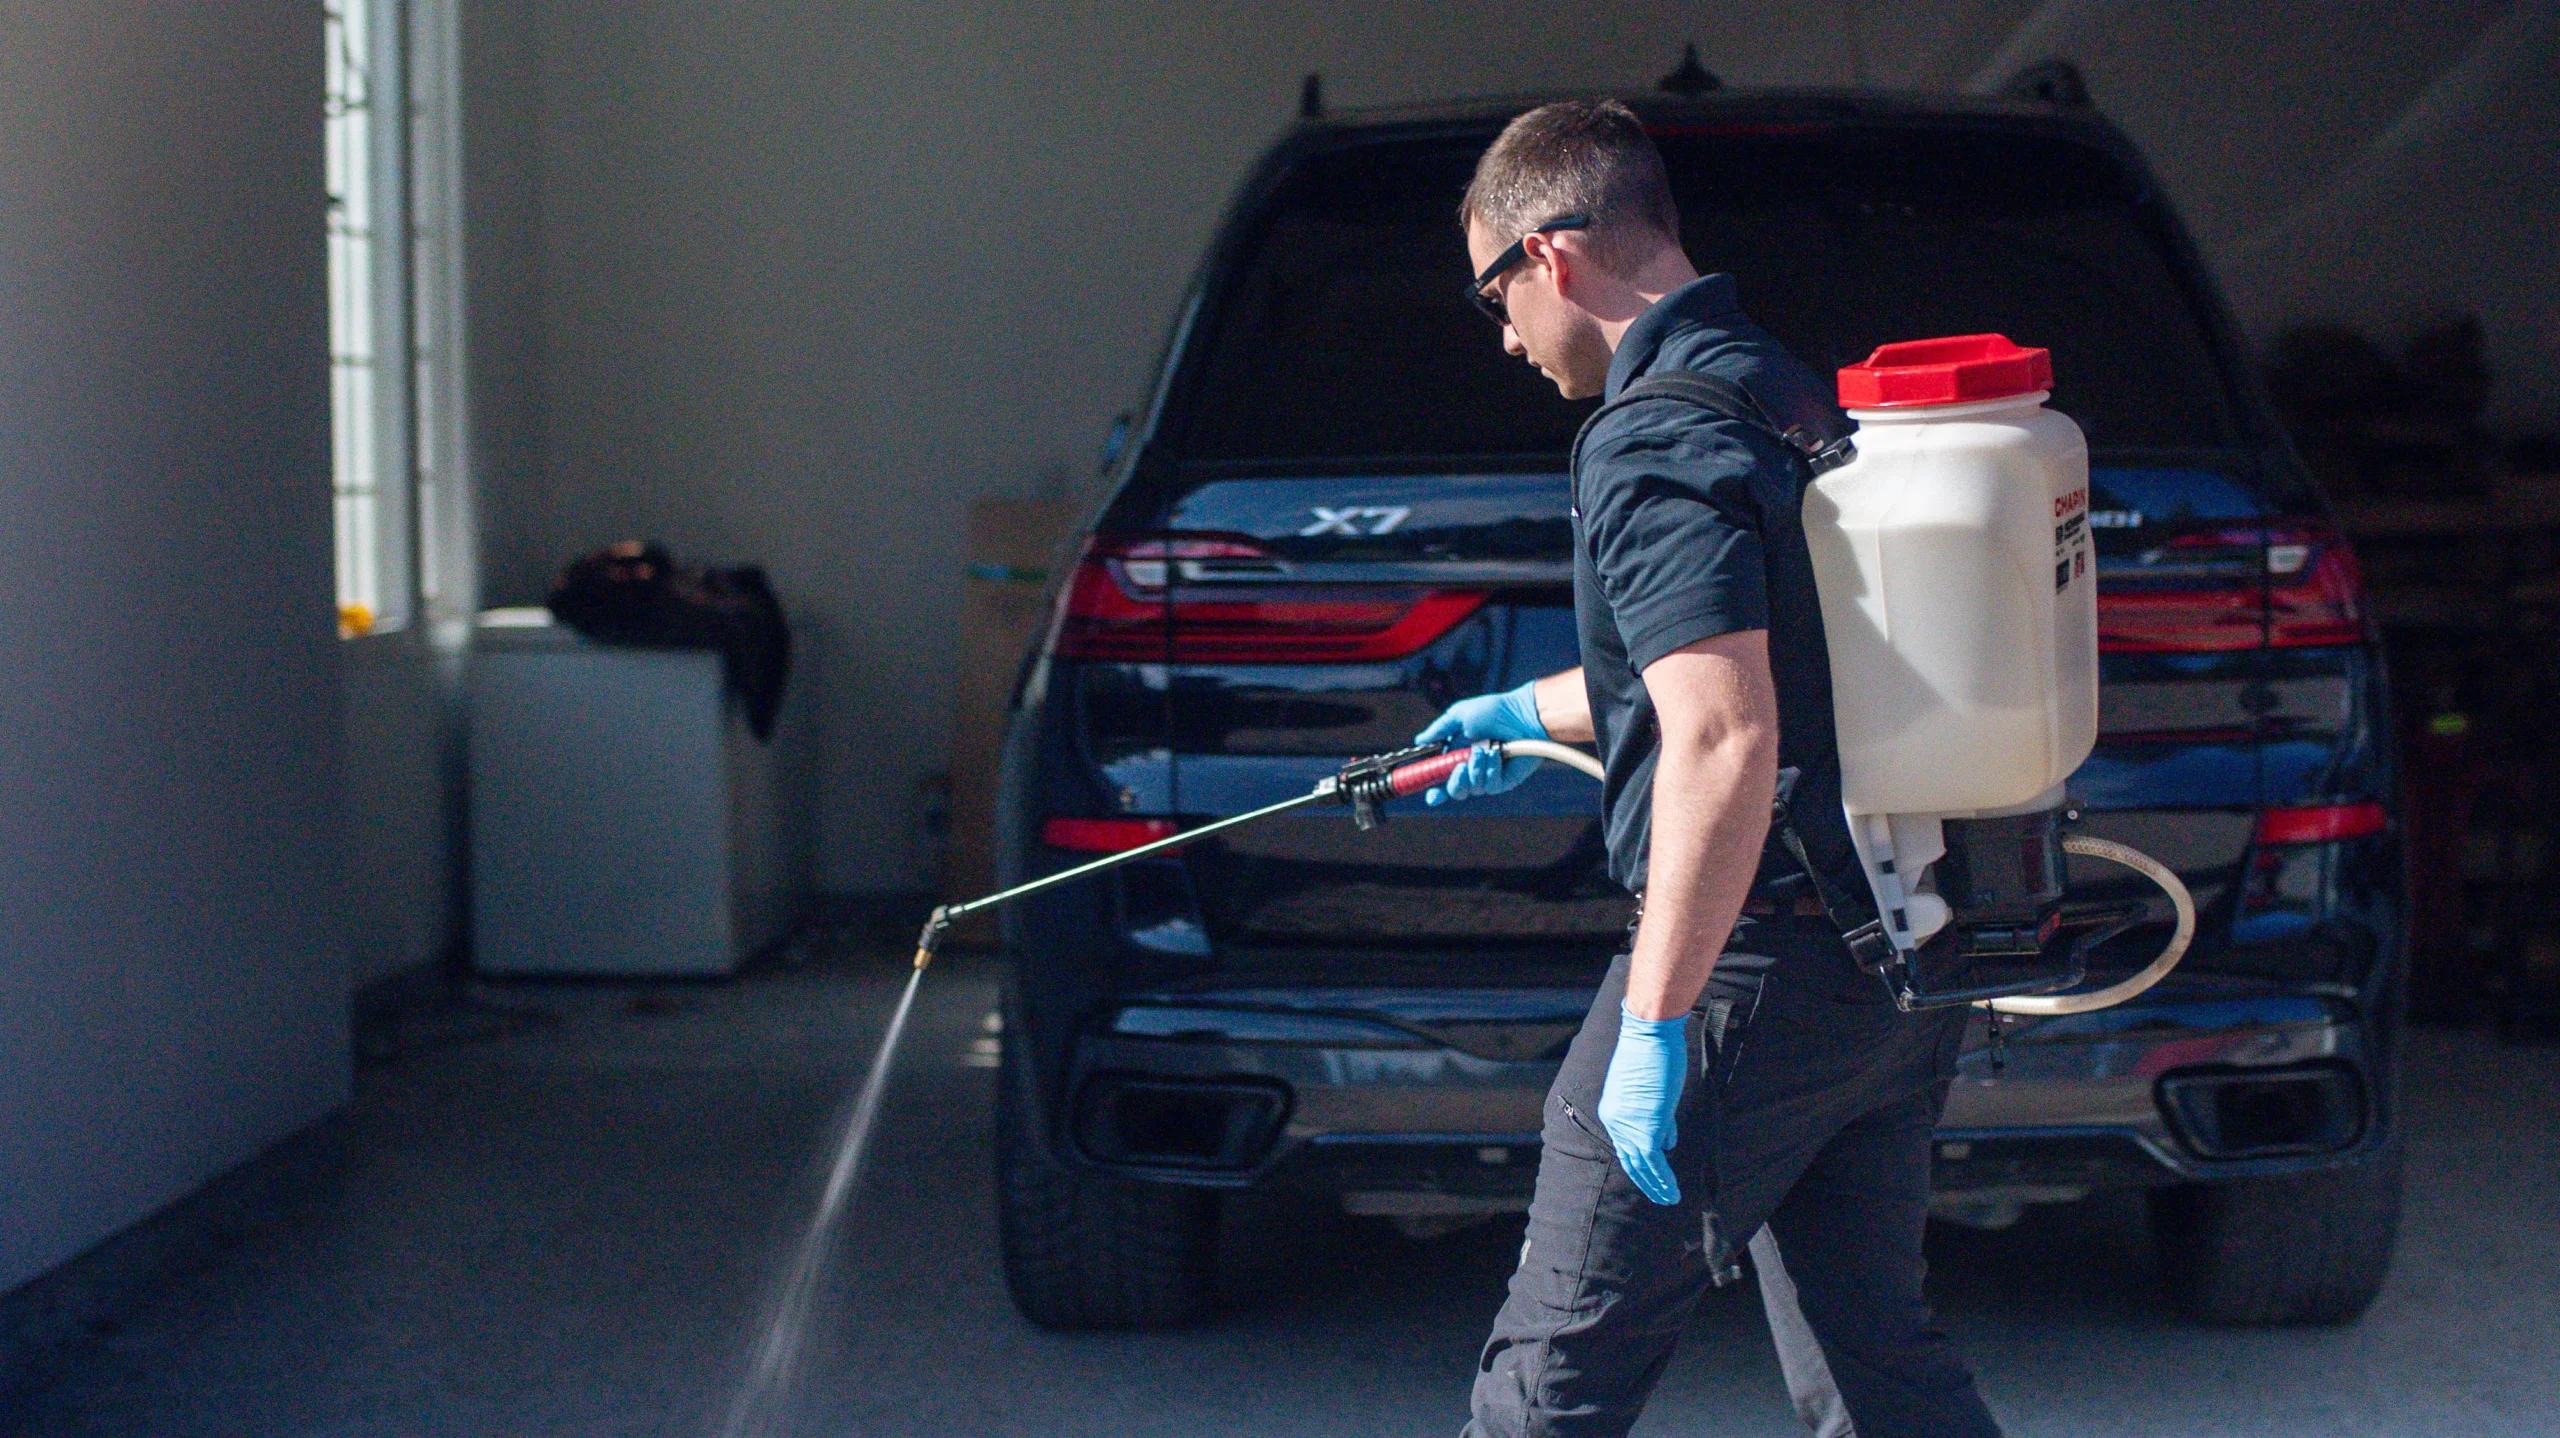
[1489, 304]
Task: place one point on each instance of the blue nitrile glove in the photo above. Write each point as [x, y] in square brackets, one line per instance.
[1486, 719]
[1641, 1097]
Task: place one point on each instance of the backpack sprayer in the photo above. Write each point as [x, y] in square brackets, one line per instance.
[1958, 584]
[1958, 581]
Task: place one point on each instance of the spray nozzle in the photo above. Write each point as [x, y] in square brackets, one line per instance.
[931, 938]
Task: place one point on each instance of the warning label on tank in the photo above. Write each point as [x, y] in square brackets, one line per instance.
[2070, 556]
[2070, 538]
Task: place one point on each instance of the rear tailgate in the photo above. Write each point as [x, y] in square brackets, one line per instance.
[1519, 869]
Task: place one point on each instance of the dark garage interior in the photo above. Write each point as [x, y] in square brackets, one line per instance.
[551, 534]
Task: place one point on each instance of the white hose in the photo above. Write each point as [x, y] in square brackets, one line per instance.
[2048, 1005]
[1564, 754]
[2037, 1006]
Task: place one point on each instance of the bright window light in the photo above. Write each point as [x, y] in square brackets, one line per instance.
[349, 143]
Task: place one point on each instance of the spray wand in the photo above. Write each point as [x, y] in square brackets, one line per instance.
[1364, 784]
[1367, 784]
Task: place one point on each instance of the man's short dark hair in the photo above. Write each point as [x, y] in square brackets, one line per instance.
[1588, 157]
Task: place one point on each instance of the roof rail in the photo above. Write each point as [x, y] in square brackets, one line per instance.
[2055, 82]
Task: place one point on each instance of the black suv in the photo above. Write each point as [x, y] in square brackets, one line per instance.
[1343, 507]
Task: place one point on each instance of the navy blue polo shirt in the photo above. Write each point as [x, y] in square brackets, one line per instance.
[1687, 526]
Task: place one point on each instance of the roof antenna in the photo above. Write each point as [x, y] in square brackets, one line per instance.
[1692, 79]
[1311, 97]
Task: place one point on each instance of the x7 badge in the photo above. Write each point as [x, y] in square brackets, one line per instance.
[1379, 519]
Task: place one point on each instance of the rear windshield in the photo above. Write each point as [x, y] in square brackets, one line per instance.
[1347, 334]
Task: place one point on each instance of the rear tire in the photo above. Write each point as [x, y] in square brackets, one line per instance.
[1086, 1252]
[2302, 1249]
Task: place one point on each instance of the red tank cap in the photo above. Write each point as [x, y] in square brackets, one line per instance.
[1956, 370]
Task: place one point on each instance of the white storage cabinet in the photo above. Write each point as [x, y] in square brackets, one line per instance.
[624, 822]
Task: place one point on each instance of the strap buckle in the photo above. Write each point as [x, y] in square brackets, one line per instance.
[1820, 457]
[1872, 948]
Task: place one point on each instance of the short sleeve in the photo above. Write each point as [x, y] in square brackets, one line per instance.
[1672, 521]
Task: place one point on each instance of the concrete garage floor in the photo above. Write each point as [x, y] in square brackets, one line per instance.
[561, 1224]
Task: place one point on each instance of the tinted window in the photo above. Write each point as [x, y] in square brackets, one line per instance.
[1346, 335]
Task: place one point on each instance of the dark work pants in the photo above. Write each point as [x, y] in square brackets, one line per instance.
[1810, 1109]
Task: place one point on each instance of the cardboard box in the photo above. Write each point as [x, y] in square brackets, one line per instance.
[1014, 548]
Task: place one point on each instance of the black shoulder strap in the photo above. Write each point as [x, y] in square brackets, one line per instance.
[1851, 908]
[1822, 441]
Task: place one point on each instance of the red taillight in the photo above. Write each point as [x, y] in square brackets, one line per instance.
[2181, 621]
[2315, 589]
[2285, 585]
[1225, 601]
[1104, 836]
[2321, 823]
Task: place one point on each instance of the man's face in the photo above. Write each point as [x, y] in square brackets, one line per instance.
[1556, 336]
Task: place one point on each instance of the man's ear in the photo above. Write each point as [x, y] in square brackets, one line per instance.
[1563, 266]
[1544, 252]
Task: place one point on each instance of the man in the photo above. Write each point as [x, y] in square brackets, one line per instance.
[1737, 1068]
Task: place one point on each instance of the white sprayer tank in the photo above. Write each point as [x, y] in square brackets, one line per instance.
[1958, 582]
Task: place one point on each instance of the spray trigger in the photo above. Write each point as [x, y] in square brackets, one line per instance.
[1367, 784]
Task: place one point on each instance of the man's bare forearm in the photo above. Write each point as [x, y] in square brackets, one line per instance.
[1564, 707]
[1712, 786]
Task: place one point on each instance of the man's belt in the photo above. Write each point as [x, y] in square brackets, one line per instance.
[1805, 906]
[1757, 906]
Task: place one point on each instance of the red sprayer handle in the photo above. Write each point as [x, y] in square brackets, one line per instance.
[1366, 784]
[1406, 780]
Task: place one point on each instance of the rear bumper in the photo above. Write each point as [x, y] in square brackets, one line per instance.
[1401, 1124]
[2124, 1097]
[1418, 1119]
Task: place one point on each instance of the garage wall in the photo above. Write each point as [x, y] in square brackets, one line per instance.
[502, 264]
[2379, 165]
[2454, 207]
[398, 762]
[812, 277]
[172, 991]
